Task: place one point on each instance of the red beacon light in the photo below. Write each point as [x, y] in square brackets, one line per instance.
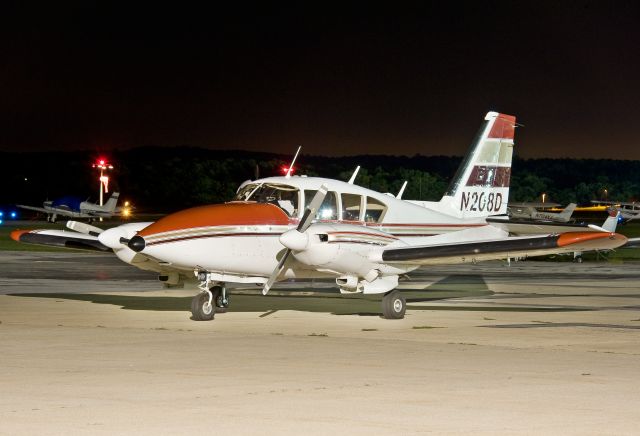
[102, 164]
[287, 170]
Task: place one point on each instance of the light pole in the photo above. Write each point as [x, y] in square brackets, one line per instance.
[103, 165]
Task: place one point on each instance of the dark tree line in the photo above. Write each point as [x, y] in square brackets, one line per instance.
[166, 179]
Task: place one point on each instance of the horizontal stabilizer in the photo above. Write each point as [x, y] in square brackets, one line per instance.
[84, 228]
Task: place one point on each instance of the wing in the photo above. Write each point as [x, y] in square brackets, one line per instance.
[632, 243]
[522, 246]
[90, 242]
[58, 211]
[37, 209]
[59, 238]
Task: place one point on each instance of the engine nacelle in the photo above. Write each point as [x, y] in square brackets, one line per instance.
[171, 280]
[348, 284]
[379, 285]
[350, 252]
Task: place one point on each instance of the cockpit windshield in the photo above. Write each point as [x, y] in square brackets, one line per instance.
[284, 196]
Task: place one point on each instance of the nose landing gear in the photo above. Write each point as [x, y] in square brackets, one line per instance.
[213, 297]
[201, 307]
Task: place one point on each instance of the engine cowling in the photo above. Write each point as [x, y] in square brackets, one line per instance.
[350, 251]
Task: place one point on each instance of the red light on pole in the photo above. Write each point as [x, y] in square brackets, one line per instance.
[287, 170]
[102, 164]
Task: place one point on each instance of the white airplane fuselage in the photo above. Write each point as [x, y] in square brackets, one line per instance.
[240, 240]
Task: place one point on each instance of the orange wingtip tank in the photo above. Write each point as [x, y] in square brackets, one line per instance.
[15, 235]
[580, 237]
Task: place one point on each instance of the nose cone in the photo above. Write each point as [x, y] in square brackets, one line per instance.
[137, 243]
[179, 224]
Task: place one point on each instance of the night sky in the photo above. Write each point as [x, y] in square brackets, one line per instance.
[340, 80]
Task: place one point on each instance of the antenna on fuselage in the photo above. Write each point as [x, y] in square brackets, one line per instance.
[288, 175]
[353, 176]
[404, 185]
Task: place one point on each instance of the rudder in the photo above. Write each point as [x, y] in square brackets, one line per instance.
[480, 187]
[111, 204]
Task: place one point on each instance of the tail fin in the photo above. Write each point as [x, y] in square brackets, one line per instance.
[110, 205]
[611, 222]
[565, 215]
[481, 185]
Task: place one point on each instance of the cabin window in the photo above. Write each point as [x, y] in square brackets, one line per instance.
[284, 196]
[329, 208]
[351, 205]
[374, 211]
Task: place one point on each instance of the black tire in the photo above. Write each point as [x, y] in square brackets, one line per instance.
[221, 305]
[200, 309]
[394, 305]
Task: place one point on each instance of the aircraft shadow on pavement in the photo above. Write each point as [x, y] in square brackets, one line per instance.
[448, 288]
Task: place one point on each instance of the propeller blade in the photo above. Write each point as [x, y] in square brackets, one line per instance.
[276, 272]
[312, 209]
[305, 222]
[84, 228]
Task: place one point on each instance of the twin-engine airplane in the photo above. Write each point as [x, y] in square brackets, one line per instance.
[305, 227]
[73, 208]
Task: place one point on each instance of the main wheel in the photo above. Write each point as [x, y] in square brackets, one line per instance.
[394, 305]
[201, 309]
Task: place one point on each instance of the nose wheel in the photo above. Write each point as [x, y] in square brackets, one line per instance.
[202, 308]
[208, 302]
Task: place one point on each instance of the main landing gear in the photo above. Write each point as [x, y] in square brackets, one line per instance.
[394, 305]
[210, 300]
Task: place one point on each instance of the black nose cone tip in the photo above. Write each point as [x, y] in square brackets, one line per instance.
[137, 243]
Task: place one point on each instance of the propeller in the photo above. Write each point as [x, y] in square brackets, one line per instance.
[115, 238]
[296, 238]
[84, 228]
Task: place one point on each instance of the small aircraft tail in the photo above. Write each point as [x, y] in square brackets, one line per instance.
[110, 205]
[611, 223]
[565, 215]
[480, 187]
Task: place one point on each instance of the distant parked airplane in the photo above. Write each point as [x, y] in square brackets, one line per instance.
[530, 212]
[629, 211]
[73, 208]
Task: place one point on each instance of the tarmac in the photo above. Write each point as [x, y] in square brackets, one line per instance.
[89, 345]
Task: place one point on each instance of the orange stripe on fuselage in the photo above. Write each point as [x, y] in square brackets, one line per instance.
[229, 214]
